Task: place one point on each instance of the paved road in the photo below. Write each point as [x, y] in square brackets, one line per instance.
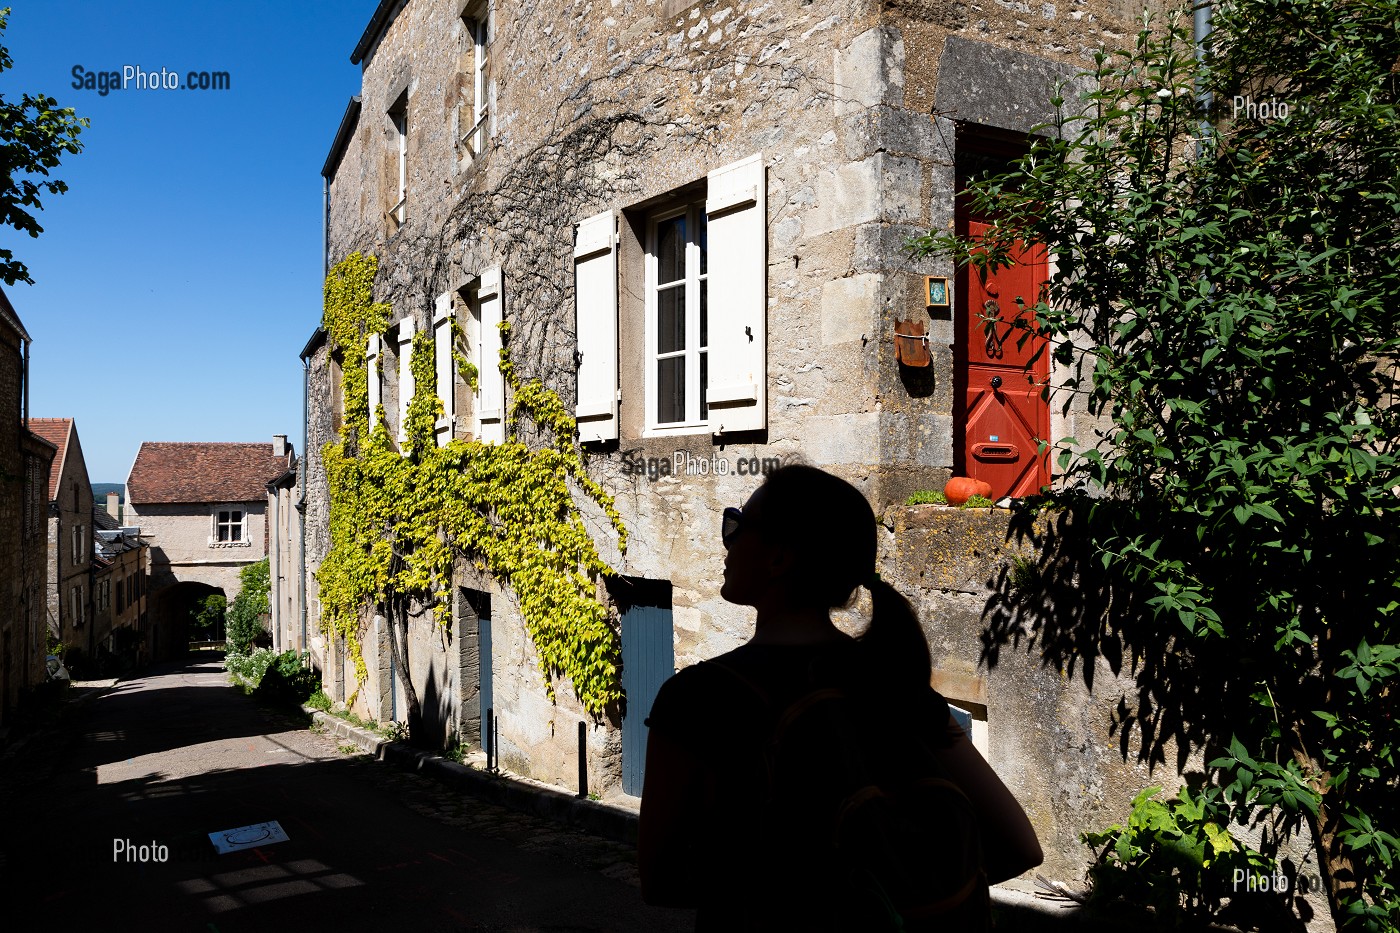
[167, 759]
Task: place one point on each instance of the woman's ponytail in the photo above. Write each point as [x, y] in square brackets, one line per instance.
[895, 641]
[830, 528]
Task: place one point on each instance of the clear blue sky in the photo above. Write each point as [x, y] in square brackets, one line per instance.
[178, 279]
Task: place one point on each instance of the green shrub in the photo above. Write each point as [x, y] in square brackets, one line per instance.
[248, 607]
[1176, 856]
[977, 502]
[249, 669]
[927, 497]
[287, 680]
[319, 700]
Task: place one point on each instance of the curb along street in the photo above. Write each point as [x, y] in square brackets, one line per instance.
[518, 793]
[1018, 906]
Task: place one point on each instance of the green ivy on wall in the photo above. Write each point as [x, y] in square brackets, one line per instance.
[399, 517]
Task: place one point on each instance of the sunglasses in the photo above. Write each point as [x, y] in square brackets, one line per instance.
[731, 525]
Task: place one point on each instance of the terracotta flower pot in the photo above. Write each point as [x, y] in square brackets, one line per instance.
[962, 488]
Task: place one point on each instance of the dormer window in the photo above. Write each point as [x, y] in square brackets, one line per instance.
[474, 107]
[398, 118]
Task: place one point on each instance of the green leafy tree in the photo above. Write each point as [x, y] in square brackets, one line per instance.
[249, 607]
[1225, 298]
[35, 133]
[209, 613]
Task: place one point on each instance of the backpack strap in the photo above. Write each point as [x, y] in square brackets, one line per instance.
[746, 681]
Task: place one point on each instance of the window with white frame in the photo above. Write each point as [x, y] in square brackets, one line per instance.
[230, 526]
[77, 544]
[474, 111]
[677, 318]
[398, 118]
[444, 366]
[75, 606]
[406, 381]
[705, 333]
[486, 302]
[372, 379]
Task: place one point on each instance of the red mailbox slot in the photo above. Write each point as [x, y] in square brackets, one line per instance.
[1002, 452]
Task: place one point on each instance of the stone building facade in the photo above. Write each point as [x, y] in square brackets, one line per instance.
[25, 459]
[120, 582]
[693, 215]
[203, 509]
[285, 575]
[70, 606]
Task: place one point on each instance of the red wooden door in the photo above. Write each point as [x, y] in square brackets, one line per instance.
[1004, 417]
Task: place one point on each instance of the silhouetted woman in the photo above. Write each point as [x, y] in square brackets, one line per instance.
[797, 549]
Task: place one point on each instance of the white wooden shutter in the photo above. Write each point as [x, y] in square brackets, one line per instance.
[442, 355]
[376, 393]
[489, 421]
[406, 387]
[595, 306]
[736, 213]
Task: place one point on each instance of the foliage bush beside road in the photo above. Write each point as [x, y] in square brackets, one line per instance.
[279, 678]
[1224, 298]
[246, 612]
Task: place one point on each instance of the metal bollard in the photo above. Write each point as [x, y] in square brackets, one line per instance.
[488, 739]
[582, 760]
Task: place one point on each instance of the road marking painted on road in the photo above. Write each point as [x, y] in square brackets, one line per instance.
[248, 837]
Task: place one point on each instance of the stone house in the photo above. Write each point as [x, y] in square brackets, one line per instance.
[120, 580]
[285, 576]
[25, 460]
[70, 541]
[203, 508]
[693, 216]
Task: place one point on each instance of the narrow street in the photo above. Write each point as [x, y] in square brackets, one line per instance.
[162, 761]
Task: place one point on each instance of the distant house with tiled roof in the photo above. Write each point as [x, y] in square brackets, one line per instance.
[120, 623]
[70, 541]
[24, 470]
[202, 506]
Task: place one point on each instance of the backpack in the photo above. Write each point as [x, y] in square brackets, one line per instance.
[862, 822]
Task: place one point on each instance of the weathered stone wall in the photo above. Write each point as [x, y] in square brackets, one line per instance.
[183, 552]
[619, 105]
[1017, 617]
[320, 427]
[24, 471]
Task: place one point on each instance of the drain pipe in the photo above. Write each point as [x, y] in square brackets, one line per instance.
[1201, 24]
[301, 498]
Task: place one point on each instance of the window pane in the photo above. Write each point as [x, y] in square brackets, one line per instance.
[670, 250]
[704, 237]
[670, 390]
[236, 532]
[704, 378]
[670, 320]
[704, 313]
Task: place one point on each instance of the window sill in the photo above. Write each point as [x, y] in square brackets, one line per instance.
[231, 544]
[678, 430]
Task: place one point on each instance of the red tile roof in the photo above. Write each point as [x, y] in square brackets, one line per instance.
[203, 472]
[56, 431]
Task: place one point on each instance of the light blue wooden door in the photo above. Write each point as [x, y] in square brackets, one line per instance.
[483, 641]
[648, 659]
